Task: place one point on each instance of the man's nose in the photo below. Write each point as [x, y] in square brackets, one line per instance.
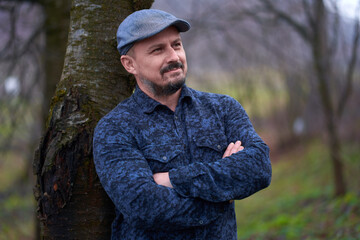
[172, 55]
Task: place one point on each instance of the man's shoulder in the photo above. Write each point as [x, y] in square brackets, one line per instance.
[123, 112]
[209, 97]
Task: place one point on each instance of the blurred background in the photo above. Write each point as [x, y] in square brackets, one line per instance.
[294, 65]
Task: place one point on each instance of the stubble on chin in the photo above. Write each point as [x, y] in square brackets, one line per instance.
[164, 90]
[174, 81]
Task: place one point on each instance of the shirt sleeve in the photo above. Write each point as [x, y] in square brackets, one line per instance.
[128, 180]
[234, 177]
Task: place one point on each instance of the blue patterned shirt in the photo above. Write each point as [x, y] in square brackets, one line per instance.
[141, 137]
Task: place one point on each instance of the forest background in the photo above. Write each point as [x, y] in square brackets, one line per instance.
[293, 65]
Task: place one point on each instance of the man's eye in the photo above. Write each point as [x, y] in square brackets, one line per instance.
[156, 50]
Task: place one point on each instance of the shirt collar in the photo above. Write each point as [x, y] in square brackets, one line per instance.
[148, 105]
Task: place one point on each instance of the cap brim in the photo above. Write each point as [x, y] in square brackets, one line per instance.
[181, 25]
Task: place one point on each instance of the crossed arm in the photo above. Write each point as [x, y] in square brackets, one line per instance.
[162, 178]
[129, 181]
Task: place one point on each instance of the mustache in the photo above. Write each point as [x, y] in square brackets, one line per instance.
[171, 66]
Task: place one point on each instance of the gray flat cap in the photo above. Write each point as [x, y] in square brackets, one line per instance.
[144, 24]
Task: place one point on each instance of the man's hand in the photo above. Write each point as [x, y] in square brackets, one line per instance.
[233, 148]
[162, 178]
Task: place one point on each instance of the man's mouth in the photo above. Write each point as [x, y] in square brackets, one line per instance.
[171, 67]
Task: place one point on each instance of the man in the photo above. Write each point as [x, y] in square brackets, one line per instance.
[173, 159]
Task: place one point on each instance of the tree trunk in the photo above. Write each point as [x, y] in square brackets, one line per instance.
[337, 161]
[321, 56]
[71, 202]
[57, 19]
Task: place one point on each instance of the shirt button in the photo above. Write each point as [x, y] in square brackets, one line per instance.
[218, 146]
[176, 117]
[201, 222]
[164, 157]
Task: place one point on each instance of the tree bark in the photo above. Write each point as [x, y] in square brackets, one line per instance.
[71, 201]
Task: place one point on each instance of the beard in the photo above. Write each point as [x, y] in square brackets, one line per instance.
[169, 88]
[164, 90]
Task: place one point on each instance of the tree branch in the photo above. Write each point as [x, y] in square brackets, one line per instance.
[299, 28]
[12, 31]
[350, 70]
[308, 13]
[335, 34]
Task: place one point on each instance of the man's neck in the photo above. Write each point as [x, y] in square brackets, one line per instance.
[170, 101]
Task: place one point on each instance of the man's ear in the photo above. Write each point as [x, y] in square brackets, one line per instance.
[129, 63]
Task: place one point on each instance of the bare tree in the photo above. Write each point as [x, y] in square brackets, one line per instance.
[71, 201]
[21, 77]
[312, 22]
[21, 81]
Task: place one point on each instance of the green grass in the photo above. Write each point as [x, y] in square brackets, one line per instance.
[299, 203]
[11, 169]
[17, 204]
[16, 216]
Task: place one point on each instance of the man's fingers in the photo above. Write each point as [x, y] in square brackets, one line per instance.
[228, 150]
[240, 147]
[233, 148]
[236, 147]
[162, 178]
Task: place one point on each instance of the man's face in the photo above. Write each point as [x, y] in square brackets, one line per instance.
[159, 63]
